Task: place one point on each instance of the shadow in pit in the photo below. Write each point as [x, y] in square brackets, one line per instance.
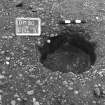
[70, 51]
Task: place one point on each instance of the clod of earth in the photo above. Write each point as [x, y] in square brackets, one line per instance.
[98, 92]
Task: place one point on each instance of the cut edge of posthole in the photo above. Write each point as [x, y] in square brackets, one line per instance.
[46, 49]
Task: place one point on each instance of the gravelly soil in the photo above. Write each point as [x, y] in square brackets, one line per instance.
[24, 80]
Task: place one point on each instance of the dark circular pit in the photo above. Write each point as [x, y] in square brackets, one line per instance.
[70, 51]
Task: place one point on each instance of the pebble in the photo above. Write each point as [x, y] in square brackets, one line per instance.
[13, 102]
[7, 62]
[2, 76]
[31, 92]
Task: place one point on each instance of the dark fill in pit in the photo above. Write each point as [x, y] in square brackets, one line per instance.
[70, 51]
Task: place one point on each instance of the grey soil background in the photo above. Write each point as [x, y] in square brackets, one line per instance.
[23, 78]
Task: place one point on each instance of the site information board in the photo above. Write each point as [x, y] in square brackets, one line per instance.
[28, 26]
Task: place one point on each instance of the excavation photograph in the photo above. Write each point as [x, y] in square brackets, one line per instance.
[52, 52]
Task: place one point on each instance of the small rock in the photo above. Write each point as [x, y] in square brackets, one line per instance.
[13, 102]
[31, 92]
[7, 62]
